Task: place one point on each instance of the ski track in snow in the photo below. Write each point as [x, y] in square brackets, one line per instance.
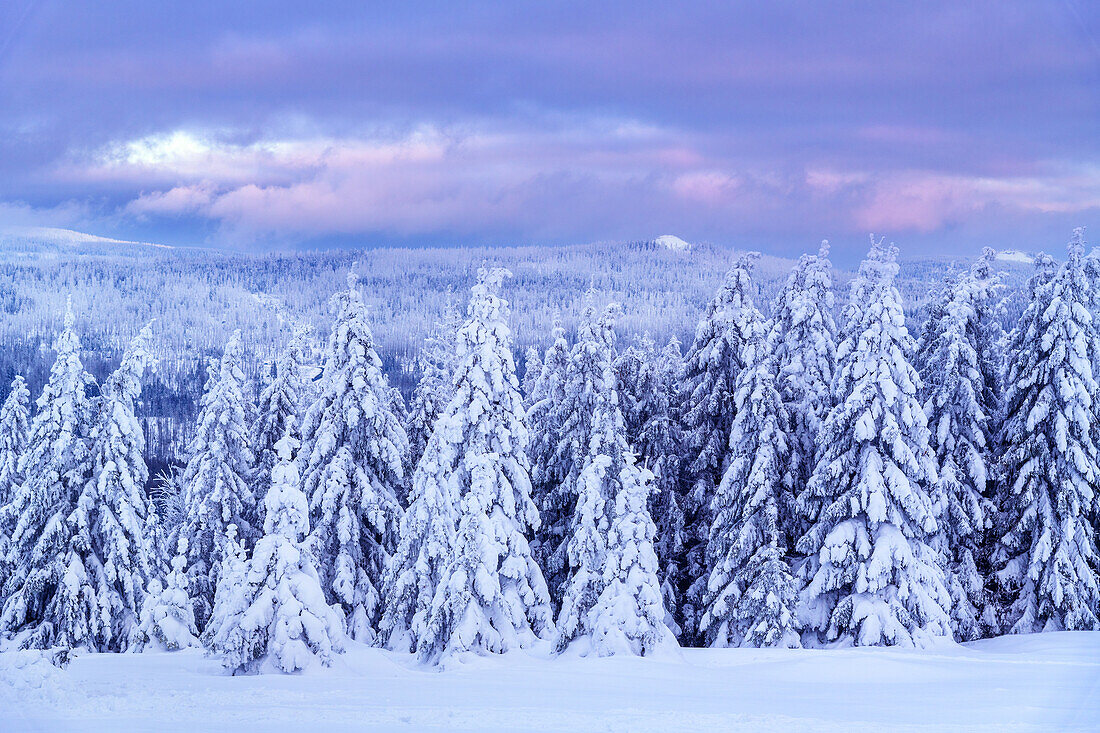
[1026, 683]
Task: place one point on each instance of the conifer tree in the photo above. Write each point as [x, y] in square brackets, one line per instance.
[15, 434]
[427, 528]
[532, 370]
[43, 594]
[600, 474]
[587, 547]
[711, 367]
[491, 596]
[434, 390]
[427, 532]
[634, 376]
[216, 480]
[279, 407]
[112, 542]
[352, 464]
[873, 579]
[803, 342]
[751, 596]
[612, 599]
[544, 414]
[278, 618]
[167, 620]
[1047, 559]
[659, 448]
[959, 401]
[588, 387]
[629, 617]
[648, 386]
[400, 410]
[231, 573]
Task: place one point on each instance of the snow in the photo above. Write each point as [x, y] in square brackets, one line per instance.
[71, 238]
[674, 243]
[1019, 683]
[1012, 255]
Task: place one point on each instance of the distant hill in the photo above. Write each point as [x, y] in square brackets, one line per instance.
[50, 242]
[669, 241]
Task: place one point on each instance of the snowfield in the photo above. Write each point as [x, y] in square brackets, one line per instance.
[1040, 682]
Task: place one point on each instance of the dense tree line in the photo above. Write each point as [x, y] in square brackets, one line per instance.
[199, 298]
[787, 480]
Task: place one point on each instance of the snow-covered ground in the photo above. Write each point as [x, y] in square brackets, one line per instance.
[1041, 682]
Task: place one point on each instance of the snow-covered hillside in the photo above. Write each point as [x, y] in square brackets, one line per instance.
[22, 242]
[1041, 682]
[671, 241]
[1012, 255]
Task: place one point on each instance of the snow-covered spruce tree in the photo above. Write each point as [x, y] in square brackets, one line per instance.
[427, 532]
[586, 551]
[543, 418]
[711, 367]
[588, 385]
[651, 392]
[167, 620]
[751, 596]
[935, 309]
[400, 410]
[216, 481]
[989, 337]
[436, 363]
[872, 577]
[232, 571]
[278, 409]
[659, 447]
[958, 401]
[607, 462]
[352, 467]
[1047, 560]
[278, 617]
[427, 528]
[634, 371]
[532, 370]
[629, 617]
[491, 597]
[112, 542]
[612, 599]
[15, 434]
[44, 596]
[802, 341]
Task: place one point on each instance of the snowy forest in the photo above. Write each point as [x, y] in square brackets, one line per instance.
[813, 463]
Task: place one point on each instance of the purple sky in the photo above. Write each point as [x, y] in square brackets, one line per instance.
[772, 125]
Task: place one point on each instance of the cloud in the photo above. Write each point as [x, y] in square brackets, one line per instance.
[710, 187]
[571, 121]
[924, 201]
[19, 214]
[564, 179]
[429, 179]
[178, 201]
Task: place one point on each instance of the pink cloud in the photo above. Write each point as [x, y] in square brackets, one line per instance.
[921, 205]
[179, 200]
[924, 201]
[710, 187]
[605, 178]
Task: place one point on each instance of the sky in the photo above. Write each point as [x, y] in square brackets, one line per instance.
[258, 126]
